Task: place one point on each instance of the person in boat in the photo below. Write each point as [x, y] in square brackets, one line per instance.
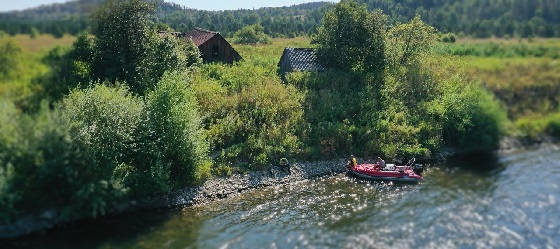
[380, 163]
[353, 162]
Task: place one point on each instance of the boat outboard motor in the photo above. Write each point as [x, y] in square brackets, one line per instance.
[418, 169]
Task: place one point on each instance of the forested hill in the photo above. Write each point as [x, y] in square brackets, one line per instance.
[479, 18]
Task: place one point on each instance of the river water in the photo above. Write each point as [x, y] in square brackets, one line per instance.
[506, 201]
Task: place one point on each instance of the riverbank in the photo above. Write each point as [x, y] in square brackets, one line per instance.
[511, 144]
[225, 187]
[211, 190]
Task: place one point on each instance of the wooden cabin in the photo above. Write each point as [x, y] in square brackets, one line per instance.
[213, 46]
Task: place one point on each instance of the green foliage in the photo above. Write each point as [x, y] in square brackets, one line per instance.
[99, 146]
[70, 68]
[332, 111]
[49, 167]
[409, 41]
[174, 147]
[252, 34]
[477, 18]
[34, 33]
[128, 48]
[501, 50]
[105, 119]
[447, 38]
[422, 110]
[249, 114]
[533, 127]
[351, 38]
[9, 63]
[473, 119]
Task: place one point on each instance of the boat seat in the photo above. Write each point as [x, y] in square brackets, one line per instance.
[389, 167]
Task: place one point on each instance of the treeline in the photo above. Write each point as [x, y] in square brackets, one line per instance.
[478, 18]
[73, 18]
[56, 19]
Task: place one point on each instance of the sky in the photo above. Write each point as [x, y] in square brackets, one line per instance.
[7, 5]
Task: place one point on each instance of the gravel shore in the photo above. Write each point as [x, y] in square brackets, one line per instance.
[211, 190]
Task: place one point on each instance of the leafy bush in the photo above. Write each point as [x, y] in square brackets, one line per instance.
[104, 119]
[48, 166]
[9, 55]
[256, 124]
[252, 34]
[174, 151]
[447, 38]
[128, 48]
[332, 111]
[473, 120]
[69, 68]
[407, 42]
[532, 127]
[71, 153]
[351, 38]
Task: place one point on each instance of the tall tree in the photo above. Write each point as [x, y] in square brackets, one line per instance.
[351, 38]
[128, 47]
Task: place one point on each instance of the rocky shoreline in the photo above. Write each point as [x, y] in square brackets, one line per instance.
[211, 190]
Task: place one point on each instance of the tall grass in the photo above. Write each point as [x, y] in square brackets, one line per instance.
[499, 49]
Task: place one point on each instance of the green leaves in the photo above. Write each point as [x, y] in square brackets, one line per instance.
[252, 34]
[172, 134]
[351, 38]
[408, 41]
[9, 54]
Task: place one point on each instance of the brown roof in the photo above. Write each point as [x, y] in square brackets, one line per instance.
[200, 36]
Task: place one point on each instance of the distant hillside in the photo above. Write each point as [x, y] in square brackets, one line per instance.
[479, 18]
[72, 17]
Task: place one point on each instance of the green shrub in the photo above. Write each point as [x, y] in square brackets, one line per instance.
[252, 34]
[10, 138]
[258, 124]
[332, 111]
[447, 38]
[472, 118]
[69, 68]
[104, 119]
[174, 147]
[33, 33]
[44, 164]
[9, 59]
[128, 48]
[408, 42]
[554, 127]
[351, 38]
[532, 127]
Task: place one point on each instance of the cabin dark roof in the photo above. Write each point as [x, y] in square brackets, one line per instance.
[200, 36]
[301, 59]
[213, 47]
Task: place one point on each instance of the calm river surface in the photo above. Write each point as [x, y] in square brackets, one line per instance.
[512, 201]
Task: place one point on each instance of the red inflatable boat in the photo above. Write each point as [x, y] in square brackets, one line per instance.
[409, 173]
